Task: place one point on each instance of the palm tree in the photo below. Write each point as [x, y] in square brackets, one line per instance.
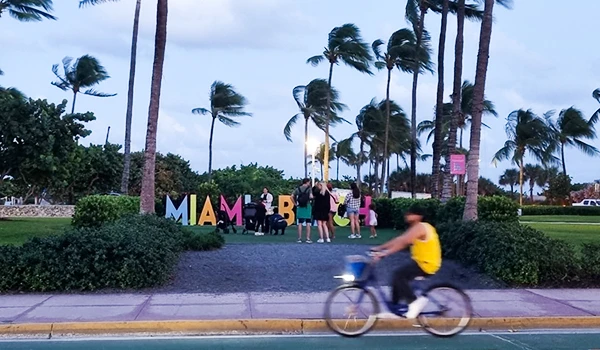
[570, 128]
[225, 104]
[510, 178]
[129, 111]
[596, 95]
[532, 174]
[345, 44]
[312, 101]
[526, 133]
[483, 56]
[547, 174]
[84, 73]
[147, 200]
[27, 10]
[341, 149]
[320, 156]
[401, 50]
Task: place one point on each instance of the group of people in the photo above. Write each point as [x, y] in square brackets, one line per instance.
[267, 218]
[319, 204]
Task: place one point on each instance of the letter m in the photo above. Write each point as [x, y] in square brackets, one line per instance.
[178, 213]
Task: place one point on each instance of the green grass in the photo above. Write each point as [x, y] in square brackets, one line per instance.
[561, 218]
[291, 235]
[17, 231]
[573, 233]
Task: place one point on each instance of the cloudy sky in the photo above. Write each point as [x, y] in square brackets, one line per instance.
[542, 57]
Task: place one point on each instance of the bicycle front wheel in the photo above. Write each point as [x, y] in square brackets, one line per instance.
[351, 310]
[448, 312]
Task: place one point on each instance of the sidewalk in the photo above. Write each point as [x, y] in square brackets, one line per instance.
[18, 310]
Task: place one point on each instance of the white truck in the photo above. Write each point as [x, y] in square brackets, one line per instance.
[588, 203]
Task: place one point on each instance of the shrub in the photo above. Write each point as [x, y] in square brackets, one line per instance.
[132, 252]
[202, 241]
[452, 210]
[590, 261]
[93, 211]
[497, 208]
[401, 205]
[535, 210]
[383, 208]
[515, 254]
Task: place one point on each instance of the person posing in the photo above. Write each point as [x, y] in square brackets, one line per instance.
[302, 197]
[261, 213]
[426, 259]
[278, 222]
[373, 220]
[267, 198]
[321, 208]
[352, 202]
[333, 203]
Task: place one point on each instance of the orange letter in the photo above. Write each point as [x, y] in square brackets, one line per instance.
[208, 214]
[286, 206]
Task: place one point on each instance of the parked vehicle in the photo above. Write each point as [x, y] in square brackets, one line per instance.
[588, 203]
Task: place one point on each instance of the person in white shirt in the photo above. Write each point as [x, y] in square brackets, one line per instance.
[267, 198]
[372, 220]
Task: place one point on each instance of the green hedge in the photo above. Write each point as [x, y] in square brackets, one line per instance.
[93, 211]
[202, 241]
[496, 208]
[559, 210]
[132, 252]
[519, 255]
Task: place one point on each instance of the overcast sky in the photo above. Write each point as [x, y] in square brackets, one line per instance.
[542, 57]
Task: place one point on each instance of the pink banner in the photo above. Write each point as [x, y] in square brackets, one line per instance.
[458, 164]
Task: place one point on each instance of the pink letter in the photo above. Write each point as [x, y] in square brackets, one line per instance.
[235, 212]
[365, 210]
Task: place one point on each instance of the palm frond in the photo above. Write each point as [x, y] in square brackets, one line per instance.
[315, 60]
[376, 48]
[93, 92]
[287, 130]
[299, 93]
[586, 148]
[596, 95]
[84, 3]
[28, 11]
[202, 111]
[228, 121]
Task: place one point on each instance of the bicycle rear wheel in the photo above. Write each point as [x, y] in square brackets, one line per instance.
[448, 312]
[345, 316]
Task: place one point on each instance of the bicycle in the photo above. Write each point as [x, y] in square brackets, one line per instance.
[360, 275]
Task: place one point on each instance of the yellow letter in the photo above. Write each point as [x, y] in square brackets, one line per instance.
[340, 221]
[286, 206]
[193, 210]
[208, 214]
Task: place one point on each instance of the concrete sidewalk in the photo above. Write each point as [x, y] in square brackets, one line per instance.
[19, 310]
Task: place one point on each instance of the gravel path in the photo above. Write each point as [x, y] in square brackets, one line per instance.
[289, 268]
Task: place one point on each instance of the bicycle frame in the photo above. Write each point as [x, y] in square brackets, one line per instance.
[397, 309]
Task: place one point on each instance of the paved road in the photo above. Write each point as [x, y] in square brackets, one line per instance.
[478, 341]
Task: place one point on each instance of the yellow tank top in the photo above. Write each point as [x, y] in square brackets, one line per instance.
[428, 253]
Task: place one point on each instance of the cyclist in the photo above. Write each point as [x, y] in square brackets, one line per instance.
[426, 259]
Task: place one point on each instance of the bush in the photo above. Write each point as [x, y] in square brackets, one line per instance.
[383, 208]
[401, 205]
[452, 210]
[590, 264]
[132, 252]
[94, 211]
[202, 241]
[517, 255]
[497, 208]
[535, 210]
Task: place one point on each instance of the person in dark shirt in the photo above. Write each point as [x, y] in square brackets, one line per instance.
[261, 212]
[278, 222]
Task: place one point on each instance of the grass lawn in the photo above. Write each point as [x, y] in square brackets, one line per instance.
[561, 218]
[573, 233]
[16, 231]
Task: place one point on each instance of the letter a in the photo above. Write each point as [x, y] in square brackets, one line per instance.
[208, 214]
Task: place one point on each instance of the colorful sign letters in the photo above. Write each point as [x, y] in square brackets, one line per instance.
[188, 214]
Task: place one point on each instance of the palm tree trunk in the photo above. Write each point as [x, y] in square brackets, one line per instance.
[562, 154]
[439, 110]
[326, 153]
[460, 144]
[531, 191]
[360, 162]
[376, 176]
[478, 95]
[160, 42]
[521, 182]
[210, 143]
[305, 147]
[456, 98]
[129, 113]
[413, 114]
[74, 99]
[389, 192]
[387, 130]
[337, 169]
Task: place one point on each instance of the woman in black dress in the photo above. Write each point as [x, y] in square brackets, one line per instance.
[321, 208]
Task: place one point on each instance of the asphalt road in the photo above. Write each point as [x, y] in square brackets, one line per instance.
[475, 341]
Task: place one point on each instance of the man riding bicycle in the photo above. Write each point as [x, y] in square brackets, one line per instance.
[426, 258]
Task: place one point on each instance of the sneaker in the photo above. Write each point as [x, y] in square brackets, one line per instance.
[416, 307]
[387, 315]
[308, 241]
[320, 240]
[372, 237]
[328, 240]
[357, 236]
[352, 236]
[299, 241]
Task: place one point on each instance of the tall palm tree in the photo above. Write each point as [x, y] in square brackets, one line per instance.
[84, 73]
[147, 201]
[527, 133]
[548, 173]
[510, 178]
[341, 149]
[312, 102]
[345, 44]
[483, 56]
[569, 130]
[129, 111]
[401, 48]
[27, 10]
[532, 174]
[225, 105]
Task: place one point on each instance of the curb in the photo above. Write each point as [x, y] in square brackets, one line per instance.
[274, 326]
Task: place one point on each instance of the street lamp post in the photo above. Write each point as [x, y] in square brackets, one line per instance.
[312, 145]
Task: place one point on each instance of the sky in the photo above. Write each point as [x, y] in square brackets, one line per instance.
[541, 58]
